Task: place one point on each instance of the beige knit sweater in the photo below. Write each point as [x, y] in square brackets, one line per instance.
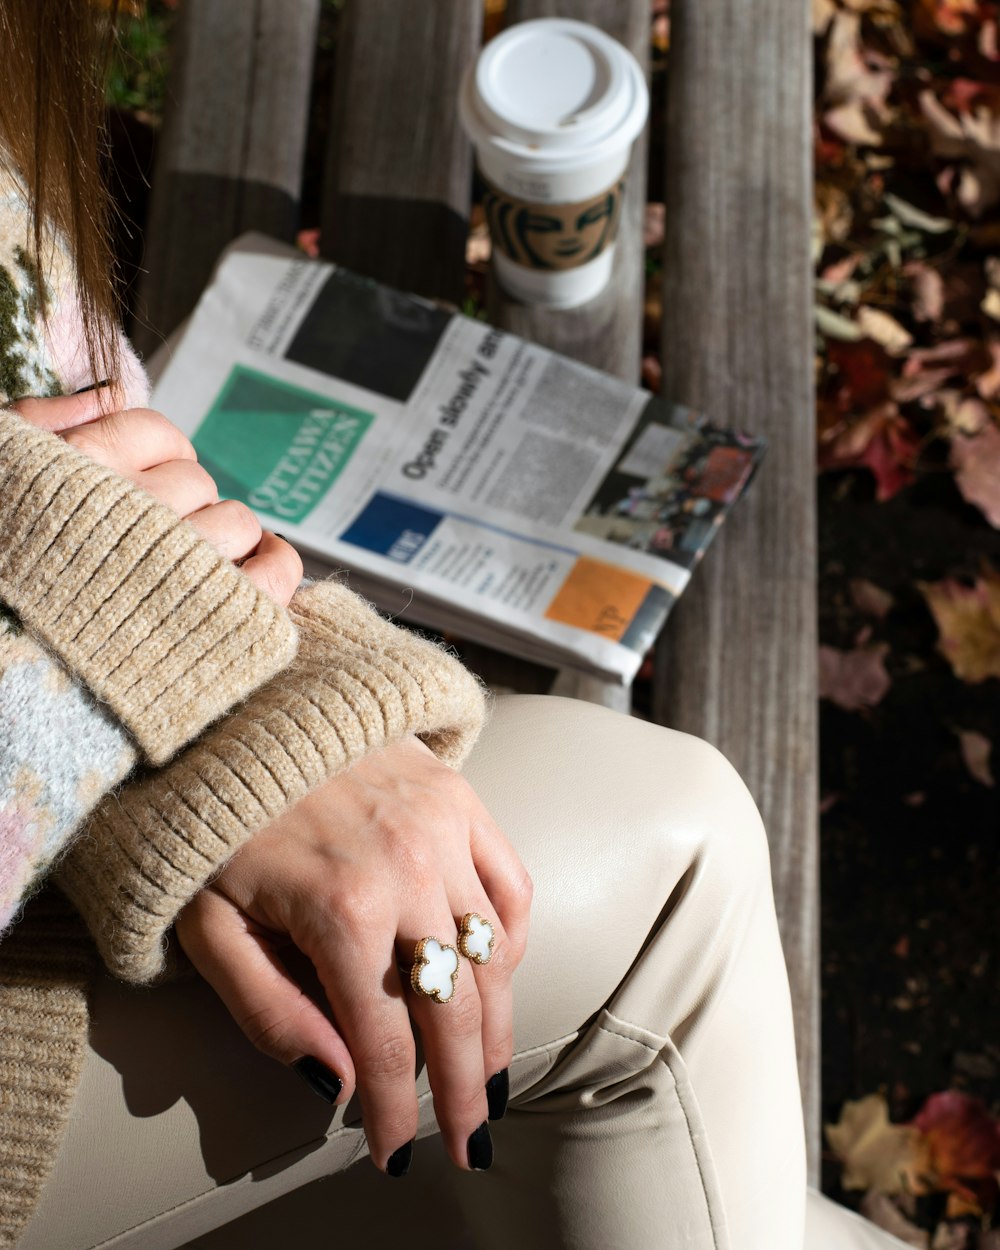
[357, 684]
[170, 638]
[167, 635]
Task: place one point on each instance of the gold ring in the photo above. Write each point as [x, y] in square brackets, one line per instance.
[475, 938]
[435, 970]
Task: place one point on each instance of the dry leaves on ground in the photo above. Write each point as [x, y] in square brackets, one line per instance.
[968, 621]
[951, 1147]
[908, 280]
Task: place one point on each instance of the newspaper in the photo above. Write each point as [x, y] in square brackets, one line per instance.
[469, 481]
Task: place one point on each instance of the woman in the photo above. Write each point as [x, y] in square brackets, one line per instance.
[648, 1061]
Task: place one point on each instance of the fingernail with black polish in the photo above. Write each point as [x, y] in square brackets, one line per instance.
[481, 1148]
[399, 1160]
[319, 1078]
[497, 1093]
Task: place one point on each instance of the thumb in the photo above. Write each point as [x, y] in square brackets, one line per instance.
[276, 1015]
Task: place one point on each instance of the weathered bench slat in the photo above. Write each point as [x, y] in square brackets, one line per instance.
[737, 664]
[230, 157]
[399, 168]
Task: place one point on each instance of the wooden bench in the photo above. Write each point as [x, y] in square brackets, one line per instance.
[737, 662]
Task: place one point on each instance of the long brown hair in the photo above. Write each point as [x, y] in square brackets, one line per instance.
[56, 54]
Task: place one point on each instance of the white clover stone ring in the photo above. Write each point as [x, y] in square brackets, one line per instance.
[475, 940]
[435, 970]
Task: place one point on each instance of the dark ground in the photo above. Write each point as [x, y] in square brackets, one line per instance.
[910, 874]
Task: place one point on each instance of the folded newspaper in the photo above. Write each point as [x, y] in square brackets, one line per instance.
[469, 481]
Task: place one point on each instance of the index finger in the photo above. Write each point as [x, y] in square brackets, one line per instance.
[65, 412]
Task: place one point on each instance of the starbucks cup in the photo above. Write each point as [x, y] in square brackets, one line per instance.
[553, 107]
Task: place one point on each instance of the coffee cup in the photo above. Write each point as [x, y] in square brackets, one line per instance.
[552, 107]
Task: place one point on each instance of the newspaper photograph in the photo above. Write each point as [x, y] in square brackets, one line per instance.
[499, 490]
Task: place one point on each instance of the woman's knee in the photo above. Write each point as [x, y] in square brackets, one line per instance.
[614, 790]
[617, 821]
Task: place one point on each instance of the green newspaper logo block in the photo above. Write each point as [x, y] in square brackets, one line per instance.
[275, 446]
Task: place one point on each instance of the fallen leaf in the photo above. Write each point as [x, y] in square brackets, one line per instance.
[968, 621]
[990, 304]
[883, 1212]
[653, 225]
[965, 95]
[882, 441]
[928, 290]
[835, 325]
[661, 33]
[854, 679]
[857, 83]
[973, 138]
[951, 1237]
[988, 382]
[965, 414]
[910, 215]
[976, 461]
[869, 598]
[989, 40]
[822, 15]
[958, 354]
[862, 373]
[926, 369]
[308, 241]
[888, 1158]
[652, 373]
[976, 750]
[950, 17]
[924, 385]
[963, 1142]
[477, 245]
[834, 213]
[840, 271]
[885, 330]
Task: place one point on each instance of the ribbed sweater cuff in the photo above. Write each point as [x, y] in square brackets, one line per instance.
[357, 684]
[160, 627]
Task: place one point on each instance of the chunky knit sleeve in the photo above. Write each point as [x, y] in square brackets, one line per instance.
[59, 753]
[162, 629]
[122, 635]
[357, 684]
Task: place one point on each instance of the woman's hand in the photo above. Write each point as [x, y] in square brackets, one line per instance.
[396, 849]
[143, 446]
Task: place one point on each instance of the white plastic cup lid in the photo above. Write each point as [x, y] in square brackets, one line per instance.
[553, 87]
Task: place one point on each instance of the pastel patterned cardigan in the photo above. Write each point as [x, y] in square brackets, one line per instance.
[130, 652]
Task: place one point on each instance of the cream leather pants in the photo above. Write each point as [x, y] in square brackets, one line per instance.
[654, 1096]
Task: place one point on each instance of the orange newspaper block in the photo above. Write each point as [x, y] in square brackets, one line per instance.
[599, 597]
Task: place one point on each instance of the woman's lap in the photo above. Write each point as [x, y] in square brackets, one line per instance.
[650, 1091]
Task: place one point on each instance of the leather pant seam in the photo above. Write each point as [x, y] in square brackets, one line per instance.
[625, 1037]
[721, 1242]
